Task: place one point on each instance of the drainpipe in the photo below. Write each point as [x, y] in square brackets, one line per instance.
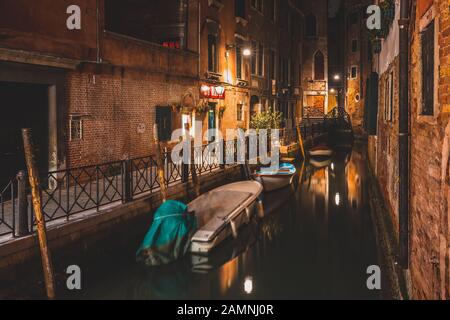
[199, 38]
[403, 201]
[98, 32]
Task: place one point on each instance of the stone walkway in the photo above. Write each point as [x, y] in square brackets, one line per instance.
[86, 196]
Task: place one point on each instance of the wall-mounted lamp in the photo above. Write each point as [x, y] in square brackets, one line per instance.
[245, 50]
[337, 77]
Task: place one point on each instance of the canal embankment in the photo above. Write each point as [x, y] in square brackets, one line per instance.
[98, 231]
[387, 240]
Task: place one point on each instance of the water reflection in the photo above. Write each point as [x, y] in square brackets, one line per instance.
[315, 241]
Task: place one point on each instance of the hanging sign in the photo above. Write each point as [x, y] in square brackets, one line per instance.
[212, 92]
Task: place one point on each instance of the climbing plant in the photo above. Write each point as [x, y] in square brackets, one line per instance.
[387, 18]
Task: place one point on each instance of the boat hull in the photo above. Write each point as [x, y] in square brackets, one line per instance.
[321, 153]
[274, 182]
[218, 226]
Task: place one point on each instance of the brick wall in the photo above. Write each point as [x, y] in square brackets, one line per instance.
[113, 105]
[429, 223]
[428, 258]
[356, 91]
[387, 140]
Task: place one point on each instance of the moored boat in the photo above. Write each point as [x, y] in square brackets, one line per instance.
[274, 179]
[320, 162]
[321, 151]
[222, 211]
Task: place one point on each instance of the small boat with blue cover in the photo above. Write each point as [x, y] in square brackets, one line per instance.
[201, 225]
[278, 178]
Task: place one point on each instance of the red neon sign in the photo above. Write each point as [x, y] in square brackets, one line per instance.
[212, 92]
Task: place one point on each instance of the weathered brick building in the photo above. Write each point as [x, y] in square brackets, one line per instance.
[357, 61]
[251, 51]
[99, 87]
[315, 59]
[429, 143]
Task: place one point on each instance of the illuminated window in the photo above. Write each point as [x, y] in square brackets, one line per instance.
[353, 72]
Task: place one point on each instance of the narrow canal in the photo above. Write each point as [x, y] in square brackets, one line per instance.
[315, 242]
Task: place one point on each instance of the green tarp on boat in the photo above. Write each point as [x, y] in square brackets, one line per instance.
[168, 238]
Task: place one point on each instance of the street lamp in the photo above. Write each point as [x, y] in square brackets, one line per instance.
[337, 77]
[245, 51]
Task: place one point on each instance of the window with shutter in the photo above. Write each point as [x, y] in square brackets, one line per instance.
[164, 121]
[319, 66]
[428, 70]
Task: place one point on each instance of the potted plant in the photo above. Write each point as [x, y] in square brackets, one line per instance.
[266, 120]
[388, 10]
[222, 111]
[176, 107]
[202, 107]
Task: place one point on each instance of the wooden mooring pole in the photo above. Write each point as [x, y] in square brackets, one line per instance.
[160, 165]
[33, 176]
[300, 141]
[195, 179]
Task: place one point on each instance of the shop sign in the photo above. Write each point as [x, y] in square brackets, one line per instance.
[212, 92]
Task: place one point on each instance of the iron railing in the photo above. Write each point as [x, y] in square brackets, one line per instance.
[8, 207]
[89, 188]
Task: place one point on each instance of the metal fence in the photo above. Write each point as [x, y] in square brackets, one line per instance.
[8, 204]
[89, 188]
[71, 191]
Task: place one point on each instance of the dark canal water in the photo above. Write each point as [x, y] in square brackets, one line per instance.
[315, 242]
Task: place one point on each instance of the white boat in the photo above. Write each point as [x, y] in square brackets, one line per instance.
[320, 162]
[221, 212]
[274, 179]
[321, 151]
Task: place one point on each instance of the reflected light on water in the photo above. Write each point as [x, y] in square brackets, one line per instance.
[248, 285]
[228, 274]
[337, 199]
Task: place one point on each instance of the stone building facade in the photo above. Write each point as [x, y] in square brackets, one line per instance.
[251, 50]
[357, 61]
[429, 143]
[314, 73]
